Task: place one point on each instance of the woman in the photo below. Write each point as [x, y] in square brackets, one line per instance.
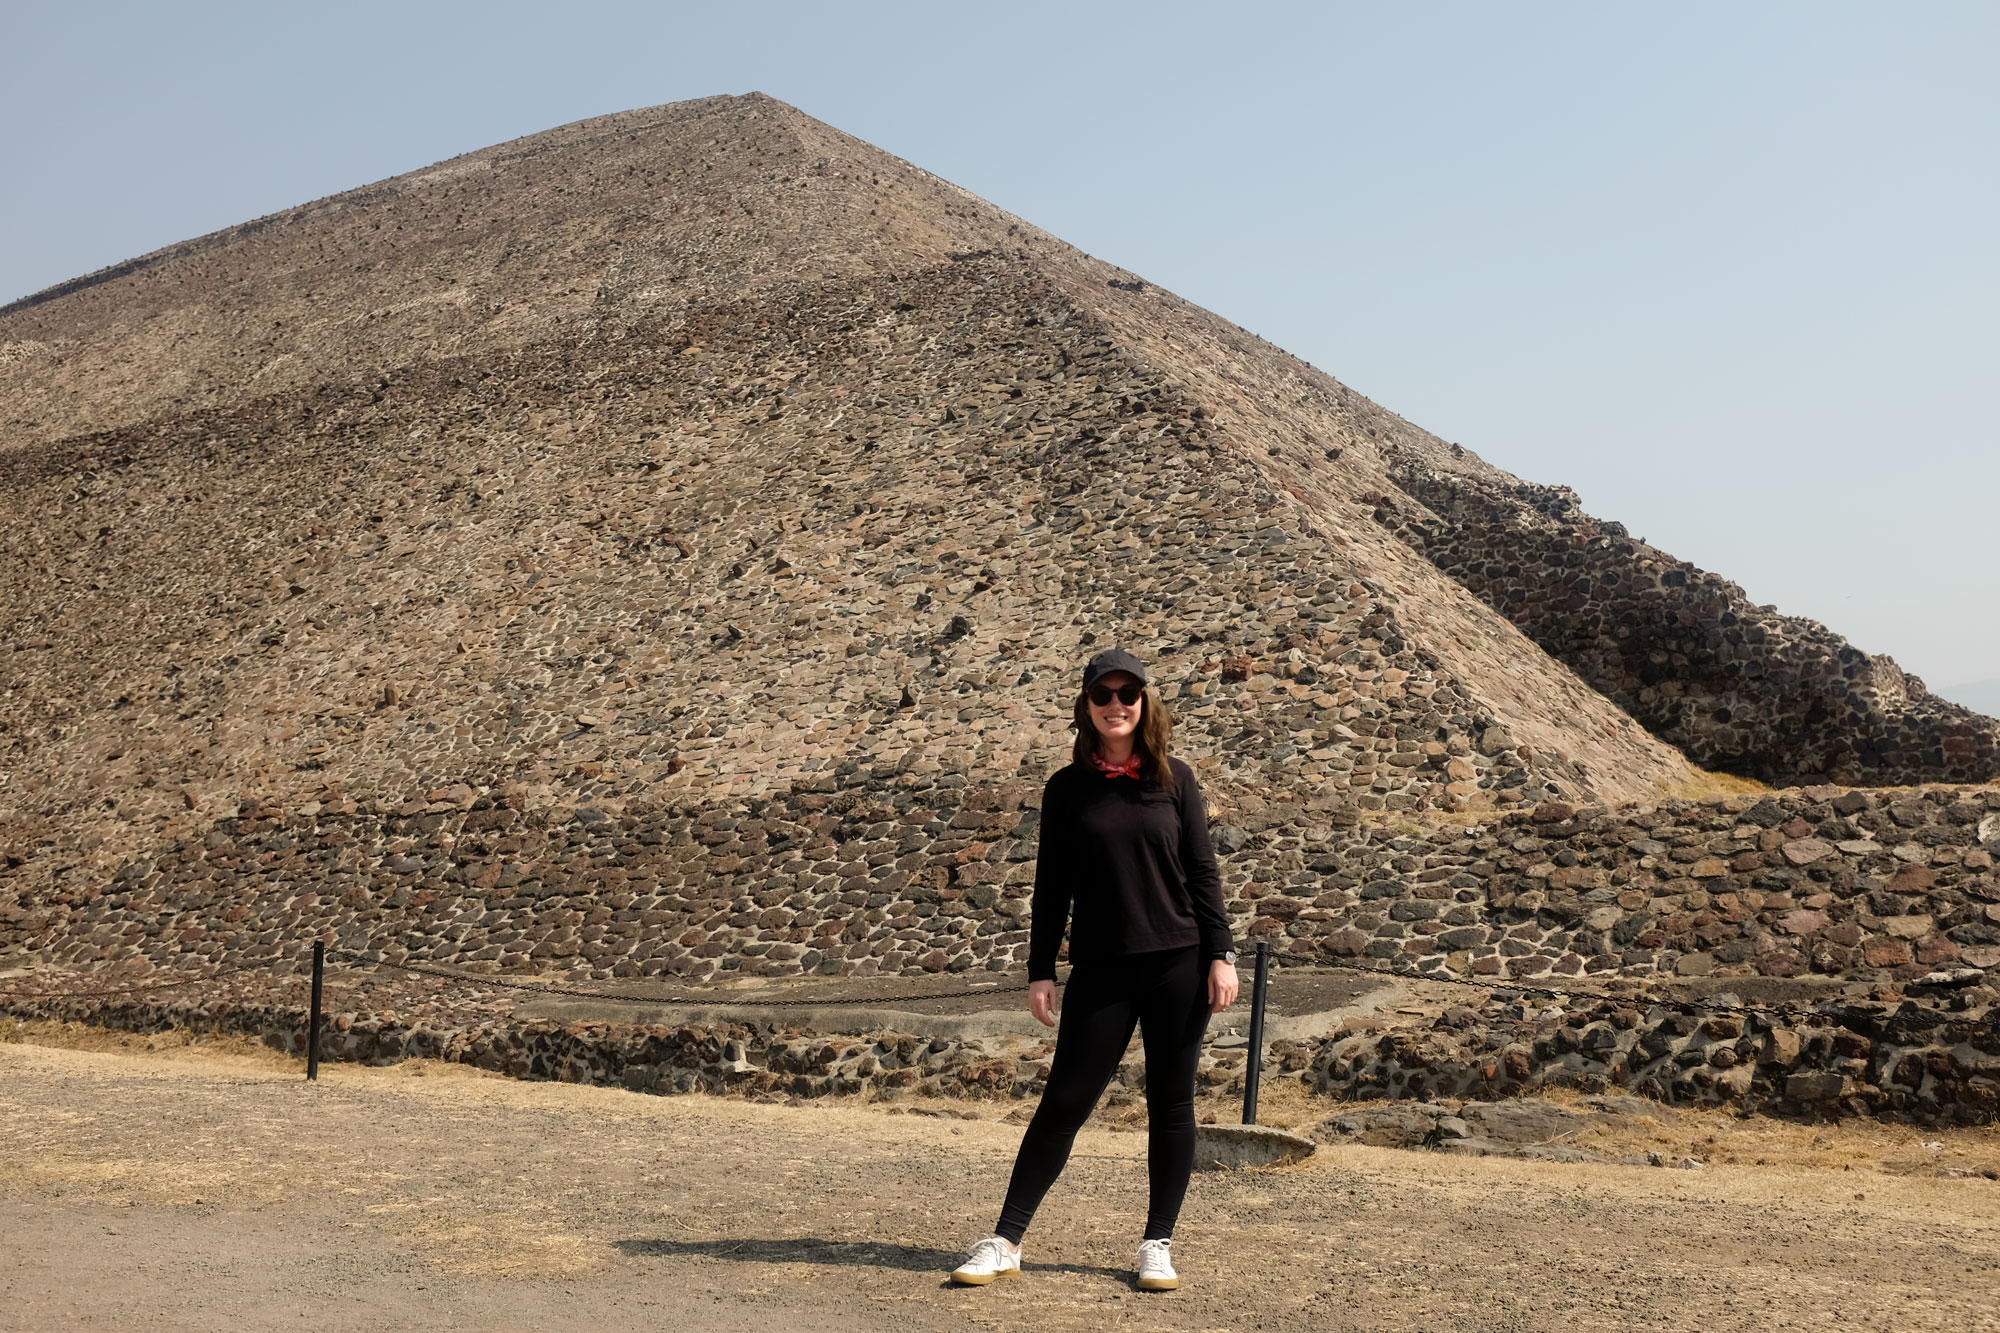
[1125, 863]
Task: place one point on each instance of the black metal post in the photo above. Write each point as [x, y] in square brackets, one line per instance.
[1255, 1072]
[312, 1024]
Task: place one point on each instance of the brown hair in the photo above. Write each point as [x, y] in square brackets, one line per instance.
[1154, 741]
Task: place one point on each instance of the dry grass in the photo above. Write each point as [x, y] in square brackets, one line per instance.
[172, 1045]
[1712, 1137]
[1727, 1138]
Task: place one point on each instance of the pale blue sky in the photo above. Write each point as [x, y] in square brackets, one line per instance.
[1727, 269]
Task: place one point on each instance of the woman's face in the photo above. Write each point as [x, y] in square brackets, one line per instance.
[1116, 720]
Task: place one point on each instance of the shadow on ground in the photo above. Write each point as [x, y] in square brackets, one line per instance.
[852, 1253]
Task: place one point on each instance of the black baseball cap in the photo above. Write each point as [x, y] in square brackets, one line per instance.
[1110, 660]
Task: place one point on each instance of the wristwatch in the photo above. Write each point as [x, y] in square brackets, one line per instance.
[1229, 957]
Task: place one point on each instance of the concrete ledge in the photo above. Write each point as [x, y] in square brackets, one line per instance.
[1224, 1147]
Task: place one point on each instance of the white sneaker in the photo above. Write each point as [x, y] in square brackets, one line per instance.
[1156, 1269]
[990, 1259]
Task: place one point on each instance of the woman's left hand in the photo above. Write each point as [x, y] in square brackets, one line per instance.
[1222, 985]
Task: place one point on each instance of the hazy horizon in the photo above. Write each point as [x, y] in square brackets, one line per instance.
[1729, 275]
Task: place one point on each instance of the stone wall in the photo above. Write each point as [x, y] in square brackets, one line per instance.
[925, 874]
[1737, 687]
[1932, 1063]
[1853, 884]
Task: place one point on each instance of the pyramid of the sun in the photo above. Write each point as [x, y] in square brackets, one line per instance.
[697, 458]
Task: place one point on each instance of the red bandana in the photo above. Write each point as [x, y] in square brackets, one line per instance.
[1128, 769]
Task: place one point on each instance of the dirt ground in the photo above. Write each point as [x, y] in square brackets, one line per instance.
[148, 1183]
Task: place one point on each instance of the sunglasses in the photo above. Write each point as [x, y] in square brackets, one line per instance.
[1101, 695]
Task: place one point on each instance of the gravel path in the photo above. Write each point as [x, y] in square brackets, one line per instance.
[215, 1188]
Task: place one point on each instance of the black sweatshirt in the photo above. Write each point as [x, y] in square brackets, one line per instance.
[1132, 861]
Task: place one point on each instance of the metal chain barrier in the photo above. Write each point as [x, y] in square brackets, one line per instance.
[1519, 988]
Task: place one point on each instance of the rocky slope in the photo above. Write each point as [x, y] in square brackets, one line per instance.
[1736, 686]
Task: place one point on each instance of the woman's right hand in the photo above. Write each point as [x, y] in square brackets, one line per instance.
[1042, 1002]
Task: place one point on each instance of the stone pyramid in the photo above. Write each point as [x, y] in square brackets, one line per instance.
[682, 466]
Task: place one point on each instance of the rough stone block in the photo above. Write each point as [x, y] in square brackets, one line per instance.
[1819, 1085]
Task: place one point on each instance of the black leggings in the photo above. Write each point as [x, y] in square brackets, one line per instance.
[1166, 995]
